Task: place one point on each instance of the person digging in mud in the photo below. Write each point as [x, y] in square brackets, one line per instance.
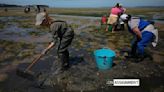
[144, 32]
[60, 31]
[113, 17]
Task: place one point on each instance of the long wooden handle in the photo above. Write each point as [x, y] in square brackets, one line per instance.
[33, 62]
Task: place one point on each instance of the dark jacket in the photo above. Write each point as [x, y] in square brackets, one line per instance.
[62, 32]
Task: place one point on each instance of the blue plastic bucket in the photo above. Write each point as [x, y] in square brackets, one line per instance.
[104, 58]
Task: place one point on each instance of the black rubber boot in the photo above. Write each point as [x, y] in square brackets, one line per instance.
[64, 59]
[139, 58]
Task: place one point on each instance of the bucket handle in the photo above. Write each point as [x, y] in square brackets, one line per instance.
[105, 60]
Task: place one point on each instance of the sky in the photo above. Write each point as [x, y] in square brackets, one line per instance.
[86, 3]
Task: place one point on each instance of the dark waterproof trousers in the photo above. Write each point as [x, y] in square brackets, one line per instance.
[63, 52]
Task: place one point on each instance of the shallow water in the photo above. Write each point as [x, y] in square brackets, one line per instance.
[79, 17]
[158, 18]
[14, 33]
[83, 72]
[5, 19]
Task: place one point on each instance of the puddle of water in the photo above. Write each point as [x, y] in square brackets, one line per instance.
[6, 19]
[159, 18]
[78, 54]
[15, 33]
[72, 16]
[156, 17]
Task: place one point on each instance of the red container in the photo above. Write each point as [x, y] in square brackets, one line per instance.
[103, 20]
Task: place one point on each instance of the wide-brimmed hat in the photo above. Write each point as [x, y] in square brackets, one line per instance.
[39, 18]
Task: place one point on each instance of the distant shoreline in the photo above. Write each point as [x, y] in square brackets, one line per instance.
[14, 5]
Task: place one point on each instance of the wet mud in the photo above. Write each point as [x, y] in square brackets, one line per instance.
[21, 44]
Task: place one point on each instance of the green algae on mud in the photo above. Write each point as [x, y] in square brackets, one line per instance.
[15, 50]
[2, 25]
[35, 33]
[88, 40]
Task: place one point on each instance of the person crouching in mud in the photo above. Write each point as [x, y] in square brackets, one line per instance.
[60, 31]
[144, 32]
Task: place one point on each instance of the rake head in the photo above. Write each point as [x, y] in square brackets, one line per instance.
[26, 74]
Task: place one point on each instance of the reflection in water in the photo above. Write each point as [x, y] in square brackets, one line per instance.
[83, 71]
[15, 33]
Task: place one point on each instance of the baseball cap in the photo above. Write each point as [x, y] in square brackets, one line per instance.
[39, 18]
[124, 17]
